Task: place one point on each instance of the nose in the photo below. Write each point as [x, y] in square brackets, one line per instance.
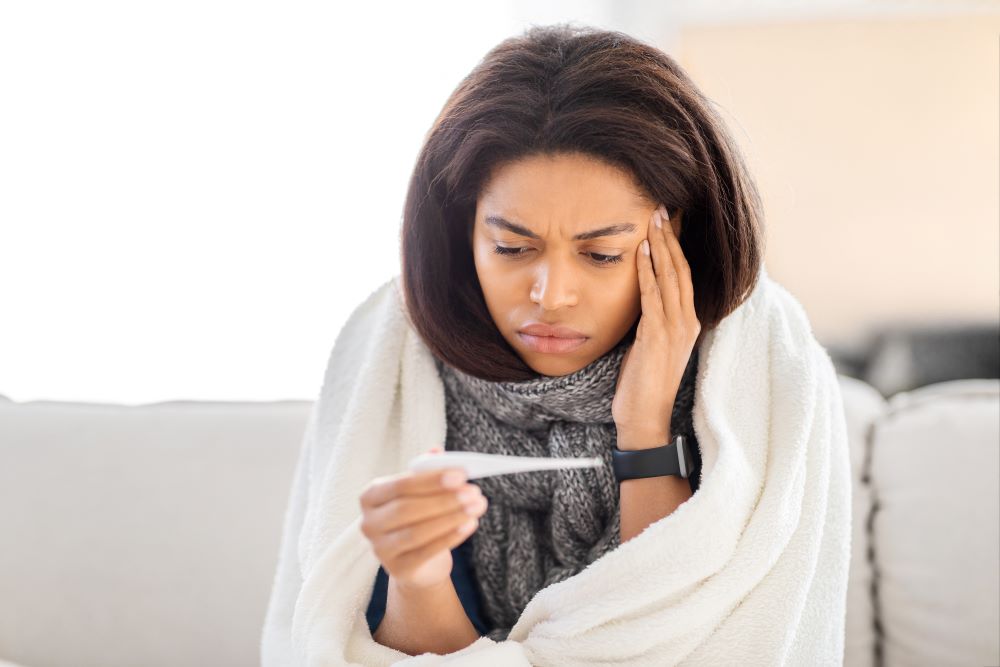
[555, 287]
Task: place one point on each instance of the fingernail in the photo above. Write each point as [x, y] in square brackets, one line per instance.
[645, 247]
[663, 212]
[657, 220]
[453, 478]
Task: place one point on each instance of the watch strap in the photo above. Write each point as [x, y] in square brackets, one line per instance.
[673, 458]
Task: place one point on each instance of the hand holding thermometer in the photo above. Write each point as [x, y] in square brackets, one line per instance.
[478, 464]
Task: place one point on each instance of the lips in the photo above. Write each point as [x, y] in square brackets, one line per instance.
[551, 338]
[553, 330]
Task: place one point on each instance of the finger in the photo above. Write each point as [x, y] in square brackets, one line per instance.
[383, 489]
[416, 535]
[666, 276]
[681, 264]
[649, 291]
[449, 540]
[405, 510]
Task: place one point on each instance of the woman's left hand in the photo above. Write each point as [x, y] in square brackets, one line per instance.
[654, 364]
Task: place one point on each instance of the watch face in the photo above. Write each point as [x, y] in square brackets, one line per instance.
[684, 456]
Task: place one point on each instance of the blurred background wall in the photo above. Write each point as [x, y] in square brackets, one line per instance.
[195, 195]
[874, 143]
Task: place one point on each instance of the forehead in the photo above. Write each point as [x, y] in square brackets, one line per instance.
[573, 187]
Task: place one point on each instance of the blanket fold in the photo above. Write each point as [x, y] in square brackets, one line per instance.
[751, 570]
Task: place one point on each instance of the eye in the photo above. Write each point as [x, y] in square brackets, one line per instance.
[605, 259]
[509, 252]
[597, 258]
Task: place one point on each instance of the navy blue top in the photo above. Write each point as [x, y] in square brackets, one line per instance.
[462, 576]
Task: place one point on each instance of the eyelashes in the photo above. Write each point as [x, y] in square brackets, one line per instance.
[597, 258]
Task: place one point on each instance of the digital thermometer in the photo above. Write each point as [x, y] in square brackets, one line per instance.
[478, 464]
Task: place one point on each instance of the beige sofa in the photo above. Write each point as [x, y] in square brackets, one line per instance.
[148, 535]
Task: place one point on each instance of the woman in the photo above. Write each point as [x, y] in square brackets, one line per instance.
[529, 204]
[577, 221]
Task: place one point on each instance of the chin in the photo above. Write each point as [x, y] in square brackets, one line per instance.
[553, 365]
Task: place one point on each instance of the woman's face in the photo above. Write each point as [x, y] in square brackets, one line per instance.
[532, 210]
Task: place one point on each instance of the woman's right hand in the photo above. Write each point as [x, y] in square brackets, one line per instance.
[414, 519]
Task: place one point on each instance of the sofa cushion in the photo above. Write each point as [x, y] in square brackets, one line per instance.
[936, 519]
[863, 405]
[141, 535]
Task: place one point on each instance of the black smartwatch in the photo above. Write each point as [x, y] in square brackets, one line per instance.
[673, 458]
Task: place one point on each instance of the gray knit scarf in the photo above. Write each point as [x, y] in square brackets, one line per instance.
[544, 527]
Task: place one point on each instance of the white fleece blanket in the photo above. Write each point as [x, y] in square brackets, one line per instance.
[751, 570]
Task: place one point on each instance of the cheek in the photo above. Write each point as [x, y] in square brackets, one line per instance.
[489, 269]
[486, 264]
[493, 279]
[619, 300]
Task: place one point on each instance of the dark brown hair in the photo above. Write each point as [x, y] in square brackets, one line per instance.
[570, 89]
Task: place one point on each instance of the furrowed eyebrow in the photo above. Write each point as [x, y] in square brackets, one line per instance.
[610, 230]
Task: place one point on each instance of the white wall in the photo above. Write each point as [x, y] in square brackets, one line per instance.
[194, 195]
